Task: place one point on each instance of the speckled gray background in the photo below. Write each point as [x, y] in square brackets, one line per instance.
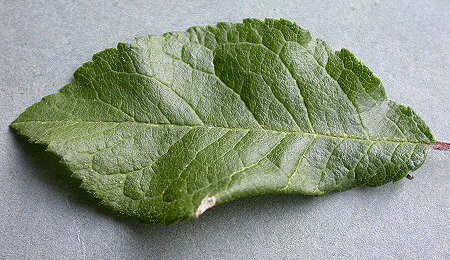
[43, 215]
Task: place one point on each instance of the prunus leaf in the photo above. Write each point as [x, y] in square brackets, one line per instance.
[172, 125]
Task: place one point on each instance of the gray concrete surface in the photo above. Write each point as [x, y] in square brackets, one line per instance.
[44, 215]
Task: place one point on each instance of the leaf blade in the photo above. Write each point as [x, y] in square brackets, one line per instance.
[174, 124]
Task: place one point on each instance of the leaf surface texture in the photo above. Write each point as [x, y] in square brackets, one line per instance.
[171, 125]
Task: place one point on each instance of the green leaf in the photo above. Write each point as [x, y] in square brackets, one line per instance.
[172, 125]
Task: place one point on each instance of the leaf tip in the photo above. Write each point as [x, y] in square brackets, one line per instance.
[207, 203]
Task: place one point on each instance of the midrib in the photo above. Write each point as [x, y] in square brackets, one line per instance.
[358, 138]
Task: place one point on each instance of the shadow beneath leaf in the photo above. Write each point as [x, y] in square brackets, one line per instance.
[247, 217]
[47, 169]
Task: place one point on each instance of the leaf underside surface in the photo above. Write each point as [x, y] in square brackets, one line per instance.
[173, 124]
